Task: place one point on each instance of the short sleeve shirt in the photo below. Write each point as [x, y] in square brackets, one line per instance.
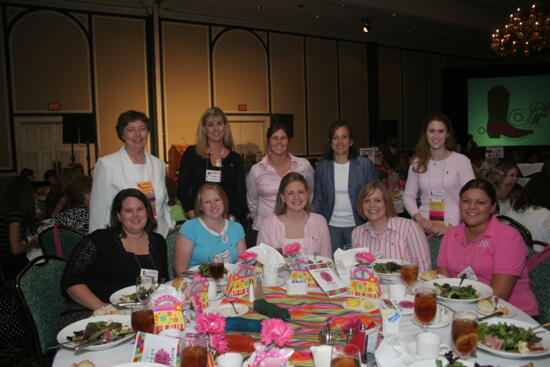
[207, 242]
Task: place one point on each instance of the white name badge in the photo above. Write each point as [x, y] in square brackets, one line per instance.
[213, 176]
[437, 196]
[150, 273]
[470, 273]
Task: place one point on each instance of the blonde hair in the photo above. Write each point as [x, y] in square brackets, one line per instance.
[280, 206]
[221, 193]
[201, 146]
[423, 154]
[368, 190]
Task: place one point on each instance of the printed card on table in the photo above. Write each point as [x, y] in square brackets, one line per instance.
[327, 280]
[157, 349]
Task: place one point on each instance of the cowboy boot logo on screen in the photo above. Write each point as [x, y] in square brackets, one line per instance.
[498, 101]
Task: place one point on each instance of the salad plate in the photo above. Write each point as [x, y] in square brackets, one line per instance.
[69, 331]
[482, 290]
[226, 310]
[513, 337]
[433, 362]
[126, 294]
[385, 274]
[140, 364]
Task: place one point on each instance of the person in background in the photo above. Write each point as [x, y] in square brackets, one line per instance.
[438, 173]
[264, 178]
[213, 159]
[18, 211]
[385, 234]
[509, 189]
[75, 214]
[532, 208]
[293, 220]
[112, 258]
[27, 174]
[210, 233]
[131, 166]
[494, 251]
[338, 180]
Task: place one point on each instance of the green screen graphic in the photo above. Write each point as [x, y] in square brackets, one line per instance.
[509, 111]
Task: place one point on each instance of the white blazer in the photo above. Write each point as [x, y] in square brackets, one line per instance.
[116, 172]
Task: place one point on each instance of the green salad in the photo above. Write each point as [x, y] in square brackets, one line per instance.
[389, 267]
[132, 297]
[455, 292]
[509, 338]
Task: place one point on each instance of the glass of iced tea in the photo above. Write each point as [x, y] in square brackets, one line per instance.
[345, 355]
[465, 333]
[409, 274]
[194, 353]
[143, 319]
[216, 268]
[425, 305]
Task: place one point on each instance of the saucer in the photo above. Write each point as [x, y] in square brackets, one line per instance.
[216, 297]
[445, 319]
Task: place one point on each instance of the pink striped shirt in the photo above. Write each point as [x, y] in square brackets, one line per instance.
[403, 239]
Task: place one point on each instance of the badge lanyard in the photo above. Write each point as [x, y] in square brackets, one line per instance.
[214, 175]
[437, 198]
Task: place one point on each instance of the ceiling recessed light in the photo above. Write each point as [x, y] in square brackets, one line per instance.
[316, 16]
[365, 25]
[259, 7]
[394, 14]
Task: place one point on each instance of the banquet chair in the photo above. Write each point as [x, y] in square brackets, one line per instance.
[170, 244]
[68, 239]
[434, 242]
[523, 231]
[38, 286]
[539, 272]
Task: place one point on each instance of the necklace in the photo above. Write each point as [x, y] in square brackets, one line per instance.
[218, 157]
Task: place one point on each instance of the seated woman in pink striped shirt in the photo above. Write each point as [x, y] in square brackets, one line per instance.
[386, 235]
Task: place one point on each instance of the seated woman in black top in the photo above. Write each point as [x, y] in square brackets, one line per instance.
[112, 258]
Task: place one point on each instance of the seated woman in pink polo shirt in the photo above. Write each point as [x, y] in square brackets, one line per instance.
[495, 251]
[293, 220]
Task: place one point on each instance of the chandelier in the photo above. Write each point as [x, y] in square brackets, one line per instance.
[523, 34]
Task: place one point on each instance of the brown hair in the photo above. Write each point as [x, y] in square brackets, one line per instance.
[422, 155]
[116, 225]
[76, 189]
[329, 153]
[368, 190]
[280, 206]
[201, 145]
[219, 190]
[130, 116]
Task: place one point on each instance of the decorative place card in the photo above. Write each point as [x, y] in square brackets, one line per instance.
[168, 313]
[157, 349]
[238, 283]
[364, 283]
[327, 280]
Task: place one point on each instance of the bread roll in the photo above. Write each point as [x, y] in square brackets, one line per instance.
[485, 306]
[429, 275]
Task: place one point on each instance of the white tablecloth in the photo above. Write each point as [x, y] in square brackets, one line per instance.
[387, 355]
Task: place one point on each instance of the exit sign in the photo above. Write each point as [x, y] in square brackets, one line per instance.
[54, 106]
[243, 107]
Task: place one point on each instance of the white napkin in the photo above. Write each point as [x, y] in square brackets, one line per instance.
[392, 353]
[348, 256]
[268, 256]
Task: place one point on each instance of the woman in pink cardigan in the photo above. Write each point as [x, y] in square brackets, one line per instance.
[293, 220]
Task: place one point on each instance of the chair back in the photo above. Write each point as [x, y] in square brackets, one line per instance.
[59, 241]
[434, 242]
[170, 244]
[523, 231]
[38, 286]
[539, 272]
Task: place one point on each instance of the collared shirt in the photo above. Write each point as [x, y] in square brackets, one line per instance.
[262, 185]
[498, 250]
[402, 239]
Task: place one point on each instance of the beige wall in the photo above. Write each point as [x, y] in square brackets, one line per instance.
[317, 80]
[186, 79]
[50, 62]
[121, 74]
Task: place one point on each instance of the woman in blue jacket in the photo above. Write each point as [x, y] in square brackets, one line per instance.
[338, 181]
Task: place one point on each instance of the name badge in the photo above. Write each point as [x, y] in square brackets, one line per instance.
[470, 273]
[150, 273]
[223, 257]
[437, 205]
[213, 176]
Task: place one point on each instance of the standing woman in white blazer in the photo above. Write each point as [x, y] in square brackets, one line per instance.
[131, 167]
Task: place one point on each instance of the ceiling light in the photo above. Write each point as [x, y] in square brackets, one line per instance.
[365, 25]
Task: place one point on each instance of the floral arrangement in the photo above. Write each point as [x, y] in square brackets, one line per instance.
[213, 325]
[275, 332]
[365, 258]
[292, 249]
[247, 256]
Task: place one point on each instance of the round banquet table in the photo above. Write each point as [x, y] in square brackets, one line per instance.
[316, 309]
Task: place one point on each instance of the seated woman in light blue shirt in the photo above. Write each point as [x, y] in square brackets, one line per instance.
[211, 233]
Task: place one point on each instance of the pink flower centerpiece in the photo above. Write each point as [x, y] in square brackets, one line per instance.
[365, 258]
[247, 256]
[292, 249]
[276, 331]
[213, 326]
[275, 334]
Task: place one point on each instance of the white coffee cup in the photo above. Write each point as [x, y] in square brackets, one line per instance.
[428, 345]
[270, 275]
[230, 360]
[212, 289]
[321, 355]
[397, 291]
